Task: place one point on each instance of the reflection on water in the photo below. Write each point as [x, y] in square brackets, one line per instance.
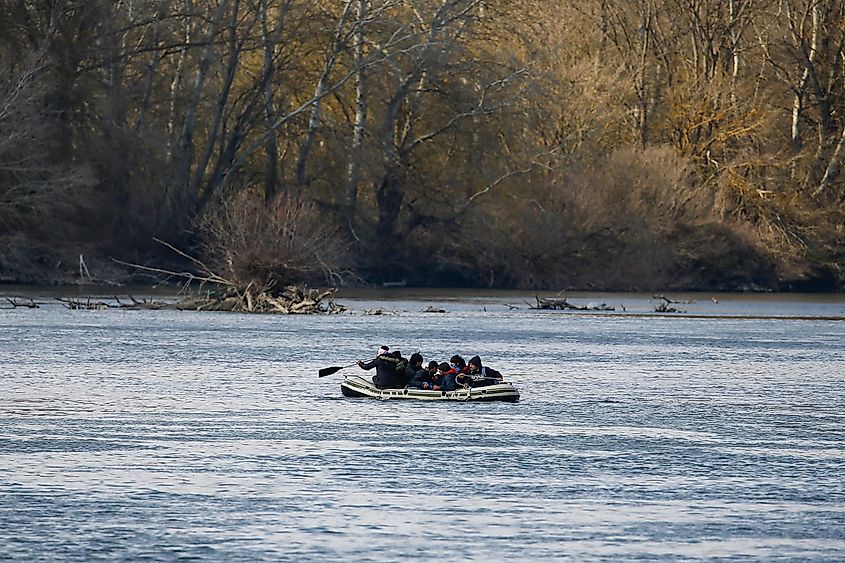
[162, 435]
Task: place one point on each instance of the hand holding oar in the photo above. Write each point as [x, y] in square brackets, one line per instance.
[334, 369]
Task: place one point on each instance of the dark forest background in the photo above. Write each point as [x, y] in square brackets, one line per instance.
[592, 144]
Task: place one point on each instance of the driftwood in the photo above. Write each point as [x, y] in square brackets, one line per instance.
[79, 304]
[29, 305]
[89, 305]
[554, 303]
[665, 308]
[142, 304]
[293, 300]
[377, 312]
[232, 295]
[559, 304]
[667, 300]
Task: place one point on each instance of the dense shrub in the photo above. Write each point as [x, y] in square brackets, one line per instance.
[248, 241]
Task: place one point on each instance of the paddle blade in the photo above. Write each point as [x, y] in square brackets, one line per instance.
[328, 371]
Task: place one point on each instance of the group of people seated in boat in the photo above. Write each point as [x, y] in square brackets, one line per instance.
[395, 372]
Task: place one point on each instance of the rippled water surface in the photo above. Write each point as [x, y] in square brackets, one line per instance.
[160, 435]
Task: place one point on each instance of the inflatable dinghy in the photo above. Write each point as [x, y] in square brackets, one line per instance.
[355, 386]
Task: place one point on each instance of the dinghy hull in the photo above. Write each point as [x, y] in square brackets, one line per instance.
[358, 387]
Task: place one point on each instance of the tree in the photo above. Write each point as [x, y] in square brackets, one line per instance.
[41, 200]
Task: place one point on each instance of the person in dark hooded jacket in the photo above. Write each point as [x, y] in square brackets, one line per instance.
[427, 378]
[480, 375]
[413, 368]
[401, 368]
[387, 376]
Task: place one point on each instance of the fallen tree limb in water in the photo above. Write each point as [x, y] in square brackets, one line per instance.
[560, 304]
[293, 300]
[79, 304]
[665, 308]
[239, 296]
[89, 305]
[14, 303]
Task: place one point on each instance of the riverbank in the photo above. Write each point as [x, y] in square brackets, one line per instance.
[414, 301]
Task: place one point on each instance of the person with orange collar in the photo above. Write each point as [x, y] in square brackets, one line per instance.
[448, 374]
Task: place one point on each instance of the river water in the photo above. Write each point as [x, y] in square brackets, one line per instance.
[161, 435]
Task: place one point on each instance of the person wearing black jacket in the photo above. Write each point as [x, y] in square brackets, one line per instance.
[387, 375]
[414, 367]
[480, 375]
[424, 378]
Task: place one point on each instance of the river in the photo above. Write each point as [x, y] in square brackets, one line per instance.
[717, 433]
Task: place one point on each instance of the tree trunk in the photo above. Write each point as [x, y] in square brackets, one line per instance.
[641, 84]
[270, 39]
[832, 169]
[177, 191]
[356, 150]
[154, 64]
[220, 108]
[797, 109]
[314, 120]
[389, 194]
[176, 81]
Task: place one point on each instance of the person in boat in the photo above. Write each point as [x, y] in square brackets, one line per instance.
[426, 378]
[401, 367]
[448, 374]
[387, 376]
[480, 375]
[458, 363]
[413, 368]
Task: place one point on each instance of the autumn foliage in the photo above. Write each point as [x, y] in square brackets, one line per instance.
[600, 144]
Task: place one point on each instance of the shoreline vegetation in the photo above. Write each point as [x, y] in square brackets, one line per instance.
[666, 146]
